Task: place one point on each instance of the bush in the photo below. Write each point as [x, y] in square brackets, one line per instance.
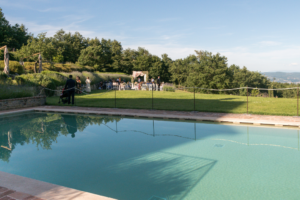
[10, 92]
[255, 92]
[168, 89]
[14, 67]
[58, 78]
[96, 77]
[12, 56]
[37, 80]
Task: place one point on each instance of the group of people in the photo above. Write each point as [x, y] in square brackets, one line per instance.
[71, 85]
[109, 84]
[158, 82]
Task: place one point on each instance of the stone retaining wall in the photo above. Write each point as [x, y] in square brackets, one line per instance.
[7, 104]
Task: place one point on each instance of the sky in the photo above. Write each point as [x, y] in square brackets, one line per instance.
[262, 35]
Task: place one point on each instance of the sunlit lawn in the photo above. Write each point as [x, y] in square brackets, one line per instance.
[184, 101]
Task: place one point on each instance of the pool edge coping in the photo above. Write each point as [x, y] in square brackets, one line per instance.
[44, 190]
[165, 115]
[229, 120]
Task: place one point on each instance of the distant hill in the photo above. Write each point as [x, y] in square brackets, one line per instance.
[283, 77]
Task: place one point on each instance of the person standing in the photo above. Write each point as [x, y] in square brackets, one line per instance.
[158, 83]
[70, 88]
[88, 84]
[78, 85]
[153, 84]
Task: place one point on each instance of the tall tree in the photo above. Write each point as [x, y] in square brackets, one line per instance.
[70, 45]
[211, 71]
[41, 44]
[12, 36]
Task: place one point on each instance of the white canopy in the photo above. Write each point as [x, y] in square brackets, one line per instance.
[136, 74]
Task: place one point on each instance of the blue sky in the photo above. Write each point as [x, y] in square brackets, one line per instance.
[262, 35]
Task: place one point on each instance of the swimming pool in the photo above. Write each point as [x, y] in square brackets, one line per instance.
[136, 158]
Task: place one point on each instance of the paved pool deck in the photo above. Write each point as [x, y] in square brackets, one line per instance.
[14, 187]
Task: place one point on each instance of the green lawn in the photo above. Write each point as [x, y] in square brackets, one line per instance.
[184, 101]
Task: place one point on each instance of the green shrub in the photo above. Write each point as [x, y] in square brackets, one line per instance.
[12, 56]
[58, 58]
[58, 78]
[255, 92]
[37, 80]
[14, 67]
[168, 89]
[94, 77]
[10, 92]
[106, 76]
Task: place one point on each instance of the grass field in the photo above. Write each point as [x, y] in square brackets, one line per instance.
[184, 101]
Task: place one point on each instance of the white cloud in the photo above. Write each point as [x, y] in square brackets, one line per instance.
[67, 24]
[174, 51]
[28, 7]
[294, 64]
[269, 43]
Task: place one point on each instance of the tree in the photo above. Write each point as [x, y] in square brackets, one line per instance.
[41, 44]
[93, 56]
[179, 69]
[211, 71]
[70, 45]
[128, 57]
[12, 36]
[143, 60]
[248, 78]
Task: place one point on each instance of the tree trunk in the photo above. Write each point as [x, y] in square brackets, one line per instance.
[6, 61]
[40, 63]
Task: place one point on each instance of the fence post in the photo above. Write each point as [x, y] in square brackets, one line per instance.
[152, 96]
[194, 101]
[247, 99]
[297, 100]
[115, 98]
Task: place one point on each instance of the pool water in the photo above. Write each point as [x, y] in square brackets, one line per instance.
[145, 159]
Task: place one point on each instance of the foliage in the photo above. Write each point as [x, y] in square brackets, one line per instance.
[67, 67]
[12, 36]
[288, 93]
[68, 45]
[14, 67]
[104, 55]
[68, 52]
[3, 77]
[58, 58]
[255, 92]
[12, 56]
[37, 80]
[96, 77]
[247, 78]
[209, 71]
[168, 89]
[58, 78]
[41, 44]
[10, 92]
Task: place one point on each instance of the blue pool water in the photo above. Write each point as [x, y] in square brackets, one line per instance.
[143, 159]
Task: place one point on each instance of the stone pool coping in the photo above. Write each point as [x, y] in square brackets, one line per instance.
[49, 191]
[21, 188]
[247, 119]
